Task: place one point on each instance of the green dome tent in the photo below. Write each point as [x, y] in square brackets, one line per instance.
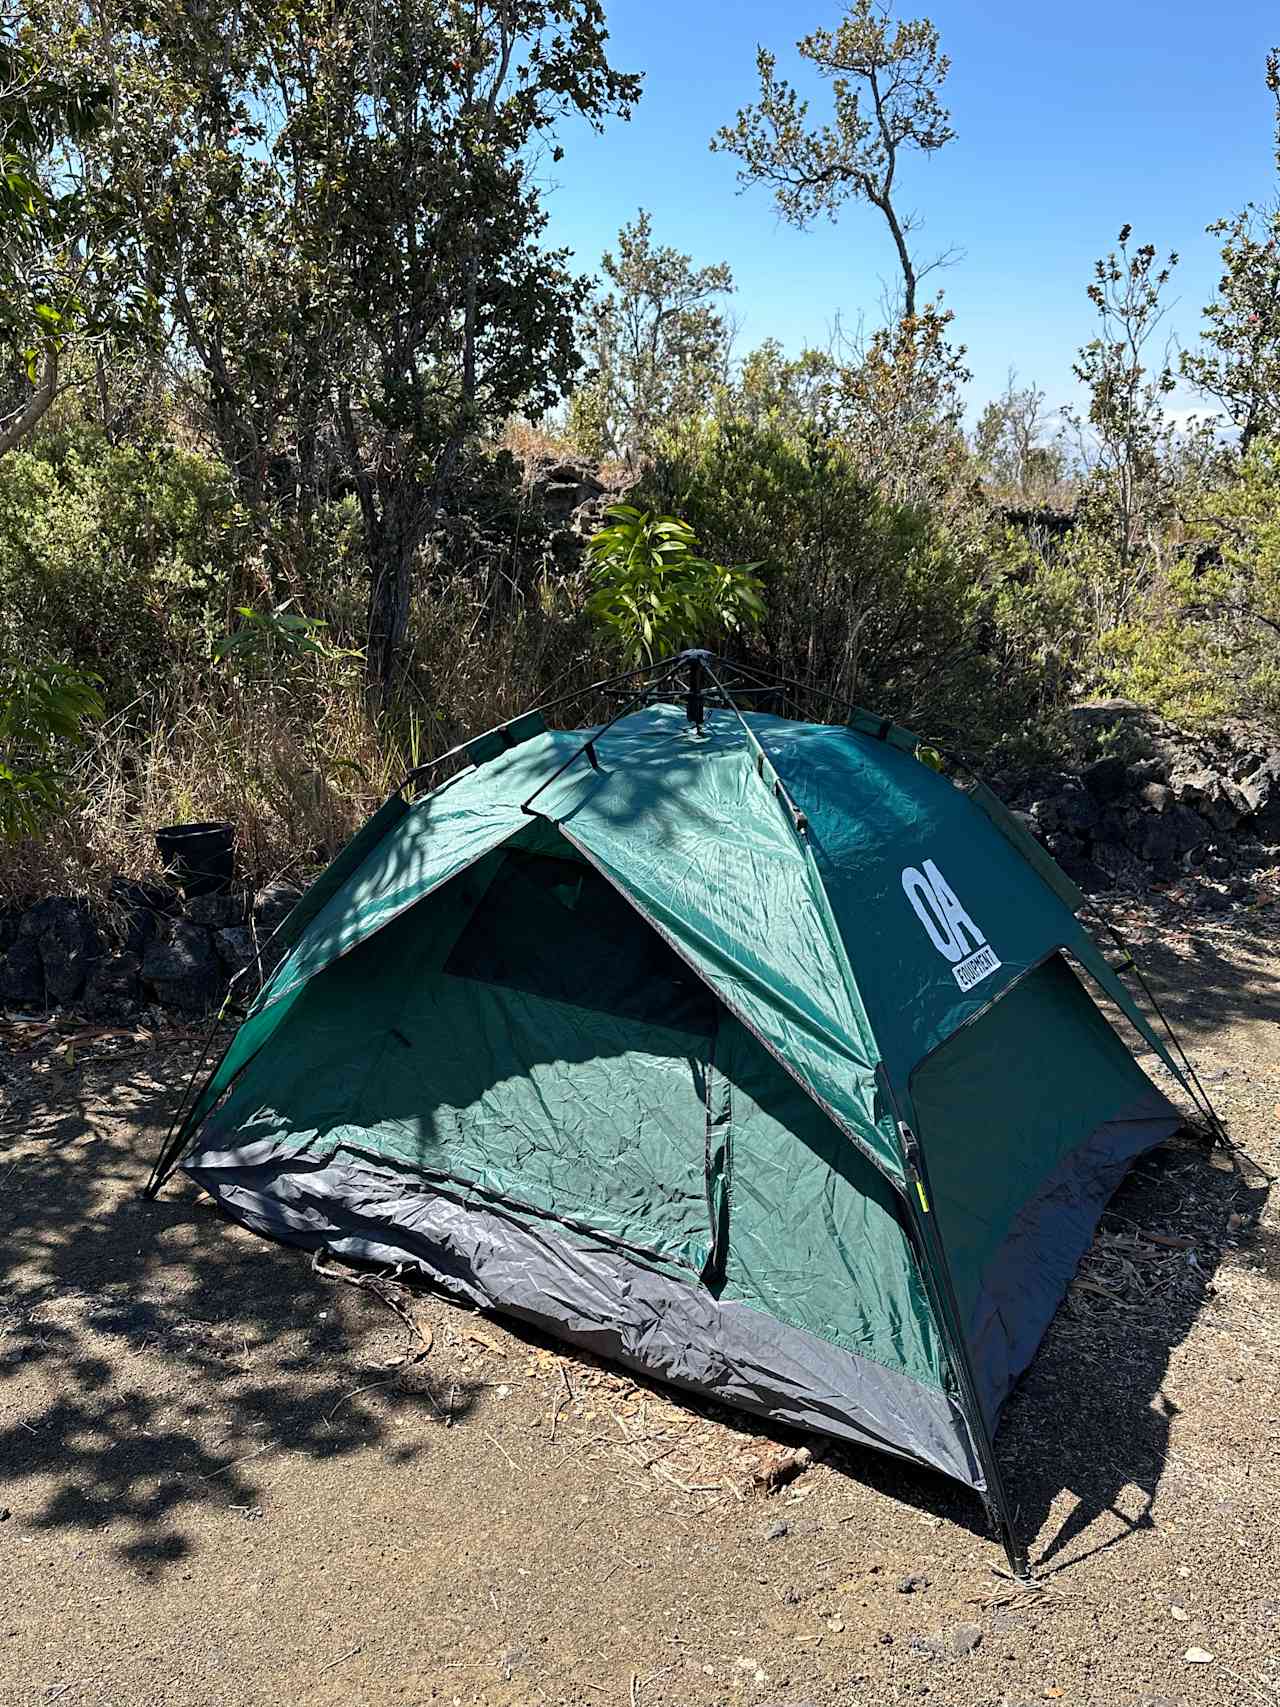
[752, 1053]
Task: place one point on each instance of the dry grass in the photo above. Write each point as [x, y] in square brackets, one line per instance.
[294, 775]
[536, 446]
[293, 756]
[531, 444]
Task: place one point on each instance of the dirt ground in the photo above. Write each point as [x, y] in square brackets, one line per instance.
[228, 1480]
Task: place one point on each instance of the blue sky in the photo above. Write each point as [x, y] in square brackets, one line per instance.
[1070, 120]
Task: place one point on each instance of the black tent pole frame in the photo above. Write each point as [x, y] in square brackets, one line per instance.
[601, 686]
[1191, 1079]
[588, 747]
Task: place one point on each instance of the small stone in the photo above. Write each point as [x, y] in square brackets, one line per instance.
[913, 1584]
[836, 1624]
[965, 1638]
[776, 1531]
[931, 1647]
[112, 988]
[1198, 1657]
[68, 941]
[1180, 1613]
[217, 912]
[5, 1514]
[1106, 779]
[183, 969]
[234, 946]
[272, 906]
[1156, 795]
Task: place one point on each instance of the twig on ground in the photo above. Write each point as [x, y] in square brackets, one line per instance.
[372, 1283]
[350, 1654]
[371, 1387]
[494, 1441]
[1249, 1683]
[222, 1470]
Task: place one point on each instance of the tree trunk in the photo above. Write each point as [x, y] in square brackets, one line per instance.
[391, 550]
[904, 260]
[44, 394]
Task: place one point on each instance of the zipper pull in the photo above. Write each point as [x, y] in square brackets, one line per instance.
[911, 1148]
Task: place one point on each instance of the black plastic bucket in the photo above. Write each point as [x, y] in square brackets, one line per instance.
[199, 857]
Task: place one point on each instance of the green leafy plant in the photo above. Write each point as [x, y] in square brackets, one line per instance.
[43, 710]
[654, 591]
[263, 638]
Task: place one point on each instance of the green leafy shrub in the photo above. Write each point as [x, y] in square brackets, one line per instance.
[118, 558]
[44, 708]
[881, 603]
[654, 591]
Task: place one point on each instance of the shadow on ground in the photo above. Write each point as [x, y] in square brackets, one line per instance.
[1091, 1417]
[1208, 971]
[164, 1353]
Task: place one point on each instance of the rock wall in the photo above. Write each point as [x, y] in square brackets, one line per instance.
[151, 948]
[1148, 803]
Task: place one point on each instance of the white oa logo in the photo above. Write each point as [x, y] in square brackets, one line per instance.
[951, 930]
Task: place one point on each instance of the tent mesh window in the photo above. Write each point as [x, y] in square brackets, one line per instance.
[555, 928]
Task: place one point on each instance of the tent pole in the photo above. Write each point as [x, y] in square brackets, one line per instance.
[920, 1209]
[588, 745]
[694, 704]
[543, 706]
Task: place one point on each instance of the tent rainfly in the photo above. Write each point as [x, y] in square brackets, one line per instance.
[754, 1054]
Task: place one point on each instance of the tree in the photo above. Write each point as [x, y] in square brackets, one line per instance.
[793, 395]
[885, 83]
[1240, 364]
[658, 343]
[68, 268]
[1125, 438]
[339, 212]
[1009, 443]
